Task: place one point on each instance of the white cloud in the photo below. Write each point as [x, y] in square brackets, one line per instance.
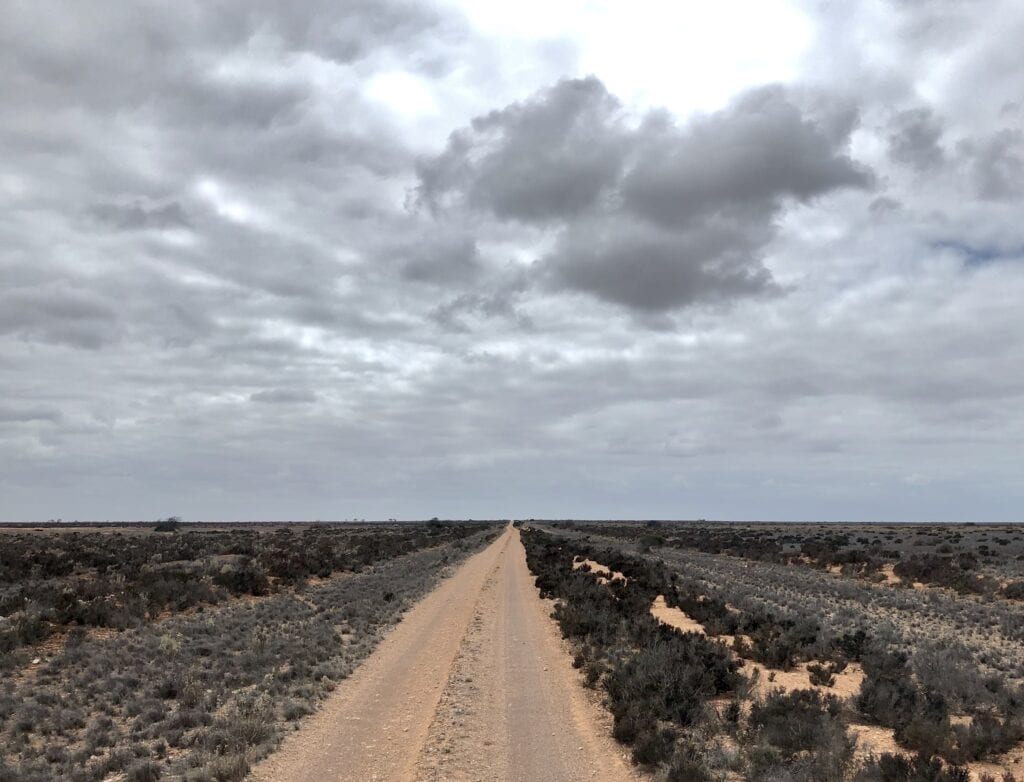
[685, 56]
[403, 93]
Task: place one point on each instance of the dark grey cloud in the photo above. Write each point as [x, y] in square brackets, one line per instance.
[283, 396]
[541, 160]
[225, 104]
[138, 216]
[20, 415]
[550, 157]
[655, 216]
[915, 139]
[650, 269]
[745, 160]
[453, 315]
[58, 314]
[883, 206]
[441, 260]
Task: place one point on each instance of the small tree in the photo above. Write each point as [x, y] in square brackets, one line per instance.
[170, 524]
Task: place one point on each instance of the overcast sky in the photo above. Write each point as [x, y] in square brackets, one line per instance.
[753, 259]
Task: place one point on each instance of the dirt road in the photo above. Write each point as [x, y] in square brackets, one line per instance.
[474, 684]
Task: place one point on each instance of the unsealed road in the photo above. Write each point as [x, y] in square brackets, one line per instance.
[473, 684]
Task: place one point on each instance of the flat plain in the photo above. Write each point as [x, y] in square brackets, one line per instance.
[537, 651]
[799, 651]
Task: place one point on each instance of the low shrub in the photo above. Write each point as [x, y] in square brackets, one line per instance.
[900, 768]
[1014, 590]
[687, 765]
[798, 721]
[820, 675]
[144, 771]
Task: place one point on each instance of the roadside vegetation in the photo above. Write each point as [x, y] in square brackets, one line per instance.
[53, 580]
[188, 654]
[744, 687]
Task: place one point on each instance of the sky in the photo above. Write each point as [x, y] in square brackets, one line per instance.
[748, 259]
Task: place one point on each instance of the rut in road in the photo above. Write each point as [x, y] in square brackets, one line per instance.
[474, 684]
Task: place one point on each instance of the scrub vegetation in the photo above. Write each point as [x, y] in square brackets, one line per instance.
[188, 653]
[790, 659]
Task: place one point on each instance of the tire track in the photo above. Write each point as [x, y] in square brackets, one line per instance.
[474, 685]
[374, 724]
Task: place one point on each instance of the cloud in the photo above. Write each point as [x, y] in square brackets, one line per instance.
[19, 415]
[238, 102]
[744, 160]
[975, 255]
[440, 260]
[453, 315]
[138, 216]
[649, 269]
[58, 314]
[544, 159]
[364, 29]
[653, 216]
[997, 164]
[915, 139]
[283, 396]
